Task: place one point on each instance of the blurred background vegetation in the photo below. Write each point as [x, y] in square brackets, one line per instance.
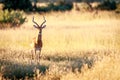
[12, 10]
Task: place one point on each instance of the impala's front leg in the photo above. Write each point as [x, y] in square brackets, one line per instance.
[39, 53]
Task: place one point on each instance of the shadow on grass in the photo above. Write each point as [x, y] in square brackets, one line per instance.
[72, 62]
[13, 65]
[12, 70]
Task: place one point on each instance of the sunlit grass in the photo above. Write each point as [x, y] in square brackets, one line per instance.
[75, 46]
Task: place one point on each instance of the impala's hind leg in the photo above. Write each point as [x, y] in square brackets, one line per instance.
[33, 54]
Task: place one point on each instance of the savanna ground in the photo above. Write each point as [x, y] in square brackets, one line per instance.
[77, 46]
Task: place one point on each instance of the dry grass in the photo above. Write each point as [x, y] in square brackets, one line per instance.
[76, 46]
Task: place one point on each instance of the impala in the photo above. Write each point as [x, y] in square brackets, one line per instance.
[37, 42]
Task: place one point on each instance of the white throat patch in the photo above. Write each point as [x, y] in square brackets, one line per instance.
[40, 34]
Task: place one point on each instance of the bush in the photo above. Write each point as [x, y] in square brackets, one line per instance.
[25, 5]
[107, 5]
[61, 5]
[83, 6]
[118, 8]
[11, 19]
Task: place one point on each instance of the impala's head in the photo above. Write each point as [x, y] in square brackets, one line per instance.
[39, 27]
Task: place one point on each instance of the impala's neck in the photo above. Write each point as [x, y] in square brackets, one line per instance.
[39, 37]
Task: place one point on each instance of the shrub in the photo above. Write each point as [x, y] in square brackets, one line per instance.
[83, 6]
[64, 5]
[17, 4]
[118, 8]
[60, 5]
[107, 5]
[11, 19]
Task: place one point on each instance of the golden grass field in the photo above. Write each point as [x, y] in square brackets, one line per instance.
[76, 46]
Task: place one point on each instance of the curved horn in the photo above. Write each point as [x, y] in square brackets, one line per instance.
[43, 21]
[35, 22]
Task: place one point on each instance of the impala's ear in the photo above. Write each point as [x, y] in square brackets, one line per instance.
[35, 26]
[43, 26]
